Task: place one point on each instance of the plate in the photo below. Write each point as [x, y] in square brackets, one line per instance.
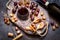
[27, 22]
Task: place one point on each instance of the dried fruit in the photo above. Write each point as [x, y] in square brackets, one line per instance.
[41, 25]
[32, 28]
[36, 20]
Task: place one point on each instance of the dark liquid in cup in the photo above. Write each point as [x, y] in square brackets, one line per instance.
[23, 13]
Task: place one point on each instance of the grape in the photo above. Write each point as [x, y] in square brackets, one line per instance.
[38, 10]
[36, 14]
[32, 3]
[15, 3]
[34, 8]
[52, 23]
[36, 5]
[31, 7]
[32, 17]
[32, 11]
[13, 10]
[16, 7]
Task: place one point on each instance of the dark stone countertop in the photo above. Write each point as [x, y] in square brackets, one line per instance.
[4, 29]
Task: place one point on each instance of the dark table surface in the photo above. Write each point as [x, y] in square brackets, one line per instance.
[4, 29]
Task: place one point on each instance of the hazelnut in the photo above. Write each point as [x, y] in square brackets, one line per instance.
[14, 19]
[42, 13]
[5, 20]
[8, 22]
[11, 15]
[56, 25]
[18, 31]
[43, 17]
[16, 28]
[20, 3]
[10, 34]
[53, 28]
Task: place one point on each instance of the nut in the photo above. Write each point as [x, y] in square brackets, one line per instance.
[27, 28]
[8, 22]
[43, 17]
[10, 34]
[18, 32]
[42, 13]
[14, 19]
[53, 28]
[56, 25]
[11, 15]
[16, 28]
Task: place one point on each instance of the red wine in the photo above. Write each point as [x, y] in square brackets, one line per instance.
[23, 13]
